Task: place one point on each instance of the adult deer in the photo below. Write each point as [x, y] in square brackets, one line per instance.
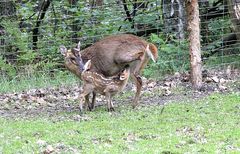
[111, 55]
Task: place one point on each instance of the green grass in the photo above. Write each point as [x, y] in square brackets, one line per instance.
[210, 125]
[43, 80]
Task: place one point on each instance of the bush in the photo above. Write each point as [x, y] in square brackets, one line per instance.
[173, 56]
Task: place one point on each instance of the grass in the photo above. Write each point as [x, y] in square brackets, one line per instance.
[210, 125]
[43, 80]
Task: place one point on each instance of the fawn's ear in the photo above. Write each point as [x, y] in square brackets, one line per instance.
[63, 50]
[87, 65]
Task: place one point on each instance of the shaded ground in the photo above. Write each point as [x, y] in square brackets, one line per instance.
[50, 101]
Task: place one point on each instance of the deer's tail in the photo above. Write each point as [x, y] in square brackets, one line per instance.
[152, 51]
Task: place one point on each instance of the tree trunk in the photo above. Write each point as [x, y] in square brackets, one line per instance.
[174, 17]
[96, 3]
[234, 10]
[44, 7]
[181, 19]
[194, 42]
[72, 2]
[75, 26]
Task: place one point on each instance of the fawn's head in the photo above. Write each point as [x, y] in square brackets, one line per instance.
[72, 58]
[124, 75]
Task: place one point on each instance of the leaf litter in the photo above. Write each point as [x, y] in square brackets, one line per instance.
[53, 100]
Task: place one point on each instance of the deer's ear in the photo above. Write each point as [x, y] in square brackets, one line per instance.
[78, 47]
[63, 50]
[87, 65]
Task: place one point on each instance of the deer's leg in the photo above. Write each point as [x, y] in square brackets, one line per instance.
[138, 82]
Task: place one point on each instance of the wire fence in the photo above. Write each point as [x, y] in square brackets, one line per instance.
[31, 33]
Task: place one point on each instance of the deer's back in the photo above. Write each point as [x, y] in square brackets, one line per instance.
[108, 56]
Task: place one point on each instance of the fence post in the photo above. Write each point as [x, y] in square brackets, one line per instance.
[194, 42]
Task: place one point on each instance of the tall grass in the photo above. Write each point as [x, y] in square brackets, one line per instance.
[23, 82]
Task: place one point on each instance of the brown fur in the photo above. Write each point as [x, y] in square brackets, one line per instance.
[94, 82]
[110, 55]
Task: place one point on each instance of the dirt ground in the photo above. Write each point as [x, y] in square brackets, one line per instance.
[51, 101]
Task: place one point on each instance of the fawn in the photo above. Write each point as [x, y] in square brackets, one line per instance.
[98, 83]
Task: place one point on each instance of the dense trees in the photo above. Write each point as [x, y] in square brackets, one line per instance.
[31, 31]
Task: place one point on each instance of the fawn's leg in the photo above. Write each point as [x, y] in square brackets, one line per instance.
[84, 98]
[87, 103]
[93, 100]
[109, 102]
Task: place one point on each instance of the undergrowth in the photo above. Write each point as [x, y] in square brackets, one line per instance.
[33, 81]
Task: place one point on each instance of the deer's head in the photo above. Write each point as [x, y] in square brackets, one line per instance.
[72, 58]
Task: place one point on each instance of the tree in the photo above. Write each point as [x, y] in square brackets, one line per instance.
[43, 9]
[234, 10]
[194, 42]
[134, 11]
[174, 15]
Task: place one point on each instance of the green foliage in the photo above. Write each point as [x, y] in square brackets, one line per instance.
[218, 28]
[224, 60]
[6, 69]
[61, 24]
[213, 33]
[14, 38]
[65, 24]
[16, 51]
[173, 56]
